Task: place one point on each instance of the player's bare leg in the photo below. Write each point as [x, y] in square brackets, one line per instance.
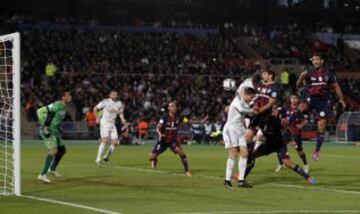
[112, 147]
[153, 159]
[249, 135]
[101, 150]
[184, 160]
[320, 138]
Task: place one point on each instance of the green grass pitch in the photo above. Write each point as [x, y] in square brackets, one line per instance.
[128, 185]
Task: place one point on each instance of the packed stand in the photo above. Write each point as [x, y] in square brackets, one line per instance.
[297, 41]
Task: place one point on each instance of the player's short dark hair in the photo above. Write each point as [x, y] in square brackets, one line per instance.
[173, 101]
[63, 92]
[295, 94]
[256, 79]
[249, 91]
[318, 54]
[270, 72]
[113, 91]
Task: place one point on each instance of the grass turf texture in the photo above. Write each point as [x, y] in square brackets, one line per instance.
[128, 185]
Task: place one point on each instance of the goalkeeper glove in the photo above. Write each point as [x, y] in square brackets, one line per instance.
[46, 131]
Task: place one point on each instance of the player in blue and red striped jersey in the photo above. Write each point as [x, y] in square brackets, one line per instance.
[167, 129]
[292, 131]
[267, 94]
[319, 81]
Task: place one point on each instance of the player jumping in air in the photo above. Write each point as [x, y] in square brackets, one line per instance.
[50, 118]
[233, 135]
[319, 80]
[167, 132]
[111, 108]
[292, 131]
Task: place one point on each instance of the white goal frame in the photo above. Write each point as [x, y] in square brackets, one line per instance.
[16, 113]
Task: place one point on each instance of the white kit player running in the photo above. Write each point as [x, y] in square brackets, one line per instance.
[111, 107]
[233, 134]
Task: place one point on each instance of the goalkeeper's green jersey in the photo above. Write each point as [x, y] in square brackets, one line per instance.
[56, 113]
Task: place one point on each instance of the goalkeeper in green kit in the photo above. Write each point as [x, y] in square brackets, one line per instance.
[50, 118]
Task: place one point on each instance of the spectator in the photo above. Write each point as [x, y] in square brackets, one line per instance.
[143, 128]
[284, 79]
[90, 119]
[197, 130]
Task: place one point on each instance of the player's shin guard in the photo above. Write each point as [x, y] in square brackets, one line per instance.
[229, 168]
[242, 168]
[48, 160]
[301, 172]
[184, 161]
[100, 151]
[58, 156]
[319, 141]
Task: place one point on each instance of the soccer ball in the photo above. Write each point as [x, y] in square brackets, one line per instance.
[229, 84]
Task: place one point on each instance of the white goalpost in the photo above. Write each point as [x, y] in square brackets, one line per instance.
[348, 128]
[10, 108]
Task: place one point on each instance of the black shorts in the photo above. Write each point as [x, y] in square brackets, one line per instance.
[322, 107]
[258, 121]
[161, 146]
[275, 142]
[272, 147]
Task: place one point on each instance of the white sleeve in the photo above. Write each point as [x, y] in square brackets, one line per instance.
[242, 108]
[121, 108]
[101, 105]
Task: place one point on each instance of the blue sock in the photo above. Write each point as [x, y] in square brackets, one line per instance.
[300, 171]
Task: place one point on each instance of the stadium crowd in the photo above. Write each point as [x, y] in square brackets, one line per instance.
[147, 68]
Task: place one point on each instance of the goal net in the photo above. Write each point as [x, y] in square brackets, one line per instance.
[10, 114]
[348, 128]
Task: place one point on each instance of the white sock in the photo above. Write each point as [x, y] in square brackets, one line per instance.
[111, 149]
[229, 168]
[100, 151]
[242, 168]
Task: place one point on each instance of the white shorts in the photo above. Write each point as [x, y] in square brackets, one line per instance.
[234, 138]
[108, 131]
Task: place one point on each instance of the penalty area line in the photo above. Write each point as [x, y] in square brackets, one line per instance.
[64, 203]
[277, 211]
[313, 188]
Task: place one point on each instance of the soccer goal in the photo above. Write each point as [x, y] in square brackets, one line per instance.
[10, 114]
[348, 128]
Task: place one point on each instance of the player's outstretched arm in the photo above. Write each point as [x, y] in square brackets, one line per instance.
[122, 118]
[339, 93]
[301, 81]
[158, 130]
[268, 106]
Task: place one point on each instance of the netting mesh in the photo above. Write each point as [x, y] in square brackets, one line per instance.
[348, 127]
[6, 116]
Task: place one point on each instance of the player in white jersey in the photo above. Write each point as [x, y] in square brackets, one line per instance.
[233, 134]
[111, 107]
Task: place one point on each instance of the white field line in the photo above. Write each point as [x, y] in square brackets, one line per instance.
[278, 211]
[94, 209]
